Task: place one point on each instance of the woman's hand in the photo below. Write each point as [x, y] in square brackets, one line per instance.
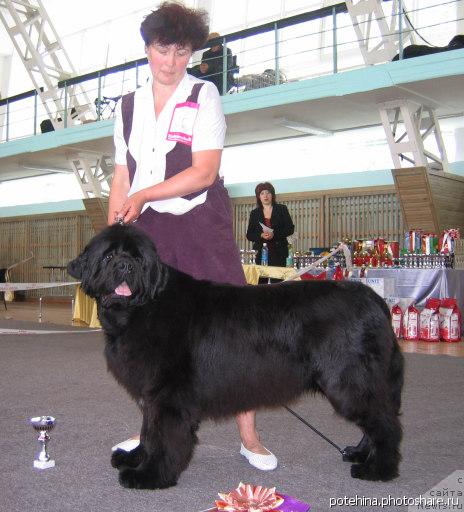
[132, 207]
[267, 235]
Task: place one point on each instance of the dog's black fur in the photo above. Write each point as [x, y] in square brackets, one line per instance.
[188, 350]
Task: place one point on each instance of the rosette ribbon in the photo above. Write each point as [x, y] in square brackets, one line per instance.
[447, 240]
[249, 498]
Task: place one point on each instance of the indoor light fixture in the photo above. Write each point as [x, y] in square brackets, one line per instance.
[301, 127]
[45, 168]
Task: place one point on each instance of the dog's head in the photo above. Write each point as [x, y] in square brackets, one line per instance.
[120, 267]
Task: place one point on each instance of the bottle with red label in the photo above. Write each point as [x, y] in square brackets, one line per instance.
[397, 320]
[411, 323]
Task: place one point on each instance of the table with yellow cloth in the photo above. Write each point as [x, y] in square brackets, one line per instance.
[254, 272]
[85, 308]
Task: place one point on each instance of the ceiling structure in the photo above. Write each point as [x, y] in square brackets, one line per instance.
[340, 113]
[267, 114]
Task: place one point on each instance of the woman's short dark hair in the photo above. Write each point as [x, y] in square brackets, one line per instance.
[264, 186]
[173, 23]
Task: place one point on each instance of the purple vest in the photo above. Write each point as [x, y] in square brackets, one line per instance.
[199, 242]
[180, 156]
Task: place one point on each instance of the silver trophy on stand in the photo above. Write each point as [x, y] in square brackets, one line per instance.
[43, 425]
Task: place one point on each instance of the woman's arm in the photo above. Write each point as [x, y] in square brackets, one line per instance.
[202, 174]
[284, 227]
[254, 230]
[118, 193]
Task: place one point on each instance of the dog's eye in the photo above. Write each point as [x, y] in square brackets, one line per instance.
[108, 257]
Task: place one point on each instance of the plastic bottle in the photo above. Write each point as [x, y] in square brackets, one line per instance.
[265, 255]
[289, 262]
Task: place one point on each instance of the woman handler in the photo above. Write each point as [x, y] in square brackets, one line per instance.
[270, 223]
[169, 136]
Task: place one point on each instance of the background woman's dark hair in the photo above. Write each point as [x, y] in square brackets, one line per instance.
[264, 186]
[173, 23]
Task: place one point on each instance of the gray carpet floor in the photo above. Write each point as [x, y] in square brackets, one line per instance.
[64, 375]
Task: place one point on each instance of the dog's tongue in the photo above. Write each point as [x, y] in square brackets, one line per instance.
[123, 289]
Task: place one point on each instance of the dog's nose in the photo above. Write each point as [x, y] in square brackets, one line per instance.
[125, 266]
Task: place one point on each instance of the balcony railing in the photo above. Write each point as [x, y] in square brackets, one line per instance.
[295, 48]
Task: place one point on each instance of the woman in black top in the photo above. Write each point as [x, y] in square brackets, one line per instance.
[211, 66]
[274, 216]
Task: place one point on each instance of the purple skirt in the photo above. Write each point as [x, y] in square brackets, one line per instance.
[199, 242]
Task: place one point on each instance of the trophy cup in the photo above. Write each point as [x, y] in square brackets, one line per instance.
[43, 425]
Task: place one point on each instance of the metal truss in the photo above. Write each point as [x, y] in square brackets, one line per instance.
[93, 173]
[45, 59]
[380, 37]
[407, 126]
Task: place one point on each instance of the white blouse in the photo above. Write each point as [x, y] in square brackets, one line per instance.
[201, 126]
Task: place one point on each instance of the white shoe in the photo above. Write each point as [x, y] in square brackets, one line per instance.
[262, 462]
[127, 445]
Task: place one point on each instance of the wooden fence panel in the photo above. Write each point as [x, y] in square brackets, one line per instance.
[53, 240]
[365, 216]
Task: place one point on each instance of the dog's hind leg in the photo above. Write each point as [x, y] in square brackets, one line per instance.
[371, 408]
[384, 430]
[168, 438]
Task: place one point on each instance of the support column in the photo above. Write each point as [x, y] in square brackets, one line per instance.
[93, 173]
[378, 34]
[407, 126]
[5, 67]
[45, 59]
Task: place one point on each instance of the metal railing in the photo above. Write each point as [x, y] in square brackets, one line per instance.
[295, 48]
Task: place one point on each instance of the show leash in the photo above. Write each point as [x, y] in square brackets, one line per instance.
[314, 429]
[340, 248]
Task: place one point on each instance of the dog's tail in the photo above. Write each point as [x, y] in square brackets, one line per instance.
[396, 375]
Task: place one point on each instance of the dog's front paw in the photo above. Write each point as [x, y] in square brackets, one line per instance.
[118, 458]
[142, 479]
[131, 459]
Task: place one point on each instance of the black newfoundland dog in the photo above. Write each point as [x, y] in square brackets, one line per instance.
[186, 350]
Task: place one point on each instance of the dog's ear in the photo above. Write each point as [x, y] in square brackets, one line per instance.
[159, 274]
[76, 267]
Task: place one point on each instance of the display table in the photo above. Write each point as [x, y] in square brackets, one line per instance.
[254, 272]
[85, 309]
[420, 284]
